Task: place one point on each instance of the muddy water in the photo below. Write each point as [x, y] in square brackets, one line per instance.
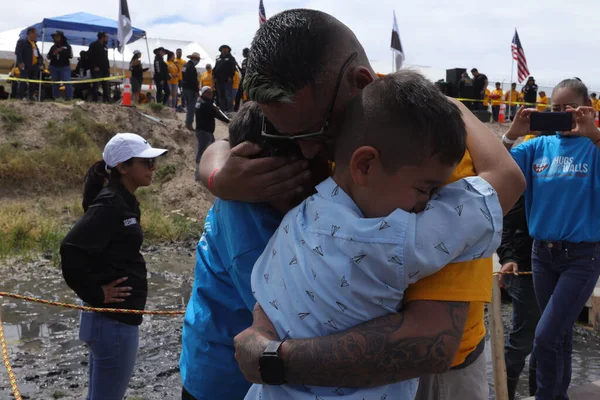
[50, 362]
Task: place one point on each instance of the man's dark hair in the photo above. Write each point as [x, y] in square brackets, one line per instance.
[407, 119]
[31, 29]
[474, 70]
[498, 84]
[101, 35]
[289, 52]
[247, 126]
[593, 94]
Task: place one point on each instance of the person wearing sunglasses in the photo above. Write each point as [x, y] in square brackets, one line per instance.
[295, 63]
[102, 263]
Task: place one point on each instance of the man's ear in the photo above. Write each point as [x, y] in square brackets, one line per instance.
[362, 164]
[361, 77]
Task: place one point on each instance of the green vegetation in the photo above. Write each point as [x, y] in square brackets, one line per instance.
[165, 173]
[10, 117]
[156, 107]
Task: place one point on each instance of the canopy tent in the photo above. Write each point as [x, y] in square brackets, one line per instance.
[82, 29]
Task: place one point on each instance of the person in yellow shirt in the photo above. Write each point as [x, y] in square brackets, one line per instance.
[174, 78]
[28, 59]
[180, 63]
[235, 86]
[542, 101]
[206, 79]
[510, 98]
[486, 98]
[14, 88]
[496, 98]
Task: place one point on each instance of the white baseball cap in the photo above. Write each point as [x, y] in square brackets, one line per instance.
[205, 89]
[124, 146]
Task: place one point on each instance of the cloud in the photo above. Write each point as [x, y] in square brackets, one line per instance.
[559, 40]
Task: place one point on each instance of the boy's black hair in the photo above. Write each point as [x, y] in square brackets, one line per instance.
[407, 119]
[247, 126]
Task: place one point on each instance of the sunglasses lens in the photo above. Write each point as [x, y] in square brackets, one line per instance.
[150, 162]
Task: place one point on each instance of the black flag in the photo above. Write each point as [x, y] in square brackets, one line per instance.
[124, 31]
[397, 45]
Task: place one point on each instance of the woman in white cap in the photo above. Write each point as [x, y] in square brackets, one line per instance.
[102, 263]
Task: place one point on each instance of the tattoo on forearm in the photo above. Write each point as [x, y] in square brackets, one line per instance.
[376, 353]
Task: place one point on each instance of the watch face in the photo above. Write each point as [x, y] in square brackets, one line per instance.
[271, 369]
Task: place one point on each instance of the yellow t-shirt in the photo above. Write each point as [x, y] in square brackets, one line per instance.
[35, 53]
[16, 72]
[206, 79]
[496, 97]
[596, 104]
[542, 102]
[236, 81]
[511, 95]
[486, 97]
[180, 62]
[173, 72]
[466, 281]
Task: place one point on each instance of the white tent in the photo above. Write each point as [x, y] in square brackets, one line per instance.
[8, 41]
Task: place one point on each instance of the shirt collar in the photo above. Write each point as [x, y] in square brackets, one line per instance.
[331, 191]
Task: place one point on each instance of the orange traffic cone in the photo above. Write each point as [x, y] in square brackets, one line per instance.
[126, 94]
[597, 119]
[501, 115]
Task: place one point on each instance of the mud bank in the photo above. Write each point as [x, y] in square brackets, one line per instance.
[50, 362]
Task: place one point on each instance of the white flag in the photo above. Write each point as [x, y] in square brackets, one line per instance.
[397, 45]
[124, 31]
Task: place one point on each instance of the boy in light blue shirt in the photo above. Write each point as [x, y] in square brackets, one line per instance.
[346, 255]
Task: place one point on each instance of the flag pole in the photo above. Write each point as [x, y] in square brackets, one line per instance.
[512, 68]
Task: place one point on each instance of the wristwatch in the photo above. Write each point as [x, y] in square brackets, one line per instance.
[270, 364]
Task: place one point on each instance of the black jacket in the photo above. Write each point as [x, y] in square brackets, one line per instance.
[206, 112]
[530, 93]
[190, 77]
[62, 59]
[97, 57]
[24, 53]
[161, 70]
[516, 243]
[137, 71]
[224, 68]
[103, 246]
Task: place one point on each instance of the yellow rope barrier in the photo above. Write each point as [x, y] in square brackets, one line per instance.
[86, 308]
[11, 374]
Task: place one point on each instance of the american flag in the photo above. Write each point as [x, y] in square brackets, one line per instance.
[262, 16]
[519, 55]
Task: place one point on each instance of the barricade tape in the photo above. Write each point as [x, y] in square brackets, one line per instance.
[92, 309]
[512, 273]
[518, 103]
[9, 370]
[109, 78]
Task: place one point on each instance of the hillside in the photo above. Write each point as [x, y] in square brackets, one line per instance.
[46, 148]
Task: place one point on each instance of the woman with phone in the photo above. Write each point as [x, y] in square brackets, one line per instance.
[563, 187]
[102, 263]
[137, 75]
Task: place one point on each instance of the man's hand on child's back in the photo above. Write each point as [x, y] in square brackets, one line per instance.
[265, 179]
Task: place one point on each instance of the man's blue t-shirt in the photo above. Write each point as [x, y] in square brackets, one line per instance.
[235, 235]
[562, 200]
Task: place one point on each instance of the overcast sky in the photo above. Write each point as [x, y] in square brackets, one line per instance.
[560, 38]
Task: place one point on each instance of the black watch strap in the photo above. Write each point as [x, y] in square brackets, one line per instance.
[272, 371]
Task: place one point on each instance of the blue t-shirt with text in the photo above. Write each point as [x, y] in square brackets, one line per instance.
[235, 234]
[562, 199]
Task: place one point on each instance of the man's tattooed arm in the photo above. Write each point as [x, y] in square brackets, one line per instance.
[422, 339]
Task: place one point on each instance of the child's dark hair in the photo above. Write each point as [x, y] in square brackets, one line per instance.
[407, 119]
[247, 126]
[576, 86]
[95, 180]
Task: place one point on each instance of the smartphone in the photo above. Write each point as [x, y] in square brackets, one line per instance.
[551, 121]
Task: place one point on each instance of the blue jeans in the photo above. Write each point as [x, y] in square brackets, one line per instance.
[519, 343]
[113, 347]
[564, 276]
[513, 112]
[224, 91]
[189, 98]
[205, 139]
[61, 74]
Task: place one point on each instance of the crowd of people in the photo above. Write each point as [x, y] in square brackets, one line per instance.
[341, 258]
